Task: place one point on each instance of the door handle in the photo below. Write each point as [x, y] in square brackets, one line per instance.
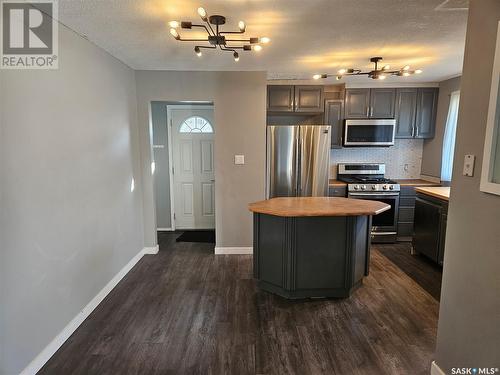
[212, 180]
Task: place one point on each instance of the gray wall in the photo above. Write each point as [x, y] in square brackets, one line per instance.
[469, 316]
[240, 115]
[433, 148]
[68, 151]
[161, 176]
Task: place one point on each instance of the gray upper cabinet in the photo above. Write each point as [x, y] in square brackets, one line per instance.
[426, 113]
[416, 112]
[334, 116]
[406, 106]
[357, 103]
[280, 98]
[382, 103]
[306, 99]
[309, 99]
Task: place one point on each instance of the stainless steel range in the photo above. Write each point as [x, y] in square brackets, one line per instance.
[367, 181]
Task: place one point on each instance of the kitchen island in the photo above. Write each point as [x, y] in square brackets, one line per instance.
[308, 247]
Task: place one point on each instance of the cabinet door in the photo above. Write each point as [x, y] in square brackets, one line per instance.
[382, 103]
[334, 116]
[357, 103]
[426, 112]
[427, 228]
[280, 98]
[309, 99]
[406, 105]
[442, 237]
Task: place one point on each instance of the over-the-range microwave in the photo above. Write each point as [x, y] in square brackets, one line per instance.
[369, 132]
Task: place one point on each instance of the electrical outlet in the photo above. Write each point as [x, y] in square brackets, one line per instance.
[469, 161]
[239, 159]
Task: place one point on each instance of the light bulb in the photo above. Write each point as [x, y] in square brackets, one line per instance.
[406, 74]
[236, 56]
[342, 71]
[132, 185]
[174, 33]
[174, 24]
[418, 71]
[386, 67]
[241, 26]
[202, 13]
[153, 167]
[197, 50]
[257, 47]
[406, 67]
[381, 76]
[317, 76]
[264, 39]
[338, 78]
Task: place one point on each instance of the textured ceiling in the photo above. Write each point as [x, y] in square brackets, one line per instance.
[307, 36]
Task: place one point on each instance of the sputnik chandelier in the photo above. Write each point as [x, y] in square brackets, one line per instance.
[376, 73]
[217, 38]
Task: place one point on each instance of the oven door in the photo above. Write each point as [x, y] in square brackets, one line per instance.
[384, 225]
[369, 132]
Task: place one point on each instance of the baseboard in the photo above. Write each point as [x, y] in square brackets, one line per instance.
[436, 370]
[151, 250]
[165, 229]
[433, 179]
[67, 331]
[233, 250]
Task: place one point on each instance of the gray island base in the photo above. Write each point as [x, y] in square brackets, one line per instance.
[312, 247]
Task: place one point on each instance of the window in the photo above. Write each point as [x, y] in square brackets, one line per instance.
[196, 124]
[449, 137]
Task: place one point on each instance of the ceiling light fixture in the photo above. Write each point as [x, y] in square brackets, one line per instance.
[376, 73]
[217, 38]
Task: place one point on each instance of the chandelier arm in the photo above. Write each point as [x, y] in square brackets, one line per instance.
[207, 47]
[238, 40]
[192, 40]
[210, 26]
[226, 49]
[203, 26]
[232, 32]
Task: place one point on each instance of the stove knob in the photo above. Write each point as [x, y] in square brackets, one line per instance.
[391, 187]
[374, 187]
[363, 187]
[384, 187]
[356, 187]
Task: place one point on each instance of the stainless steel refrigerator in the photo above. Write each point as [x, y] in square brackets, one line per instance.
[298, 161]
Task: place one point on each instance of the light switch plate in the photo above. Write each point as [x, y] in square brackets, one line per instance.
[239, 159]
[469, 161]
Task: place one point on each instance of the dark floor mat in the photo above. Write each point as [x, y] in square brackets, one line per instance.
[207, 236]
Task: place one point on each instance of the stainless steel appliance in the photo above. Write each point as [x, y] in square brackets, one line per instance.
[298, 161]
[367, 181]
[369, 132]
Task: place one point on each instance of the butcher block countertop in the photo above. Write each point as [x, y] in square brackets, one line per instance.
[333, 182]
[318, 206]
[415, 182]
[440, 192]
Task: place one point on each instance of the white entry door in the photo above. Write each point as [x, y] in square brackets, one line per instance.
[192, 132]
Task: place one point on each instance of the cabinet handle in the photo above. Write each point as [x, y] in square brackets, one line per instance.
[417, 129]
[367, 111]
[413, 131]
[371, 111]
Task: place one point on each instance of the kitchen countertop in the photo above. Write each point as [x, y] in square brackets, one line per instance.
[440, 192]
[333, 182]
[318, 206]
[415, 182]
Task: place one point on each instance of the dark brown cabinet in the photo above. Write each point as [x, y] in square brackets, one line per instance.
[286, 98]
[430, 227]
[416, 112]
[369, 103]
[334, 116]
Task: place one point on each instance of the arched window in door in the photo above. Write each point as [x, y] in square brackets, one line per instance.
[196, 124]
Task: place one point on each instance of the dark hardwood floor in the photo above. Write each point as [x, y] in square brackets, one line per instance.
[187, 311]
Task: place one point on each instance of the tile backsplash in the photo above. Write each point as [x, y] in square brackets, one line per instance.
[403, 160]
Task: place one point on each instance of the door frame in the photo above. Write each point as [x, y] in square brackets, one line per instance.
[171, 107]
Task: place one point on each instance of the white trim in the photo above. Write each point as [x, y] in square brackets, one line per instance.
[151, 250]
[165, 229]
[436, 370]
[234, 250]
[491, 133]
[39, 361]
[434, 179]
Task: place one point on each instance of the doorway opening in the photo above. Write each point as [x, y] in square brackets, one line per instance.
[183, 167]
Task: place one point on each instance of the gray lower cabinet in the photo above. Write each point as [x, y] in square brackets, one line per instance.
[416, 112]
[406, 213]
[289, 98]
[337, 191]
[334, 116]
[430, 227]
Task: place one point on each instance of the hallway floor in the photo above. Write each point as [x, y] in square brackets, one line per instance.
[187, 311]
